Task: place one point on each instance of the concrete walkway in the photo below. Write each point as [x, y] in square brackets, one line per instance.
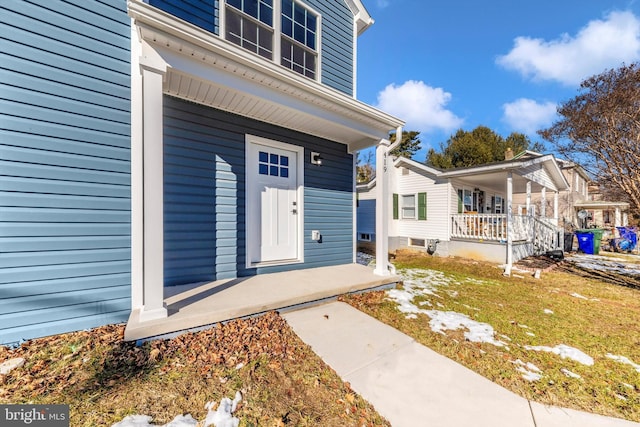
[411, 385]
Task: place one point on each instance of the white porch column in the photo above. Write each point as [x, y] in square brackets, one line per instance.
[543, 202]
[556, 214]
[153, 71]
[625, 219]
[507, 270]
[382, 209]
[528, 202]
[618, 219]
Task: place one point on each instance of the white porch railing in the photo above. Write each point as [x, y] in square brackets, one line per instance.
[546, 235]
[479, 226]
[493, 227]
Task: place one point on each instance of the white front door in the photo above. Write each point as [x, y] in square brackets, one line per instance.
[273, 208]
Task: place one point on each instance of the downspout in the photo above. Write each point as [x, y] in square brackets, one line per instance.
[383, 267]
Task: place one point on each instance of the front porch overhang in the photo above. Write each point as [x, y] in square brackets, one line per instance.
[538, 173]
[204, 68]
[192, 307]
[173, 57]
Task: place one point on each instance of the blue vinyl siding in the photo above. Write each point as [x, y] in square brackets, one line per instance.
[205, 236]
[65, 256]
[337, 44]
[203, 13]
[337, 33]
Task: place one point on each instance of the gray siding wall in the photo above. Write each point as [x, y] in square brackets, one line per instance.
[64, 166]
[337, 42]
[205, 236]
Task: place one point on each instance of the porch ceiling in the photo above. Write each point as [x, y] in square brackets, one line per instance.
[204, 68]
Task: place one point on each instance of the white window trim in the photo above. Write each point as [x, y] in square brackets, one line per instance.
[361, 237]
[249, 213]
[415, 206]
[277, 34]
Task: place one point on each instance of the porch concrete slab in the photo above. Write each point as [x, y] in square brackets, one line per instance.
[195, 306]
[551, 416]
[407, 383]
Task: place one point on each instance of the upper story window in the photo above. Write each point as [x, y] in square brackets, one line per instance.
[249, 23]
[298, 39]
[292, 40]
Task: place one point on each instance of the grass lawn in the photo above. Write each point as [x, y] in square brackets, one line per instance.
[561, 339]
[104, 379]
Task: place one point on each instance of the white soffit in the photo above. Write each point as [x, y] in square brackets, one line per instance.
[205, 69]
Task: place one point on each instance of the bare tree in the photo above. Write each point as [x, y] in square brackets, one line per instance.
[600, 129]
[365, 171]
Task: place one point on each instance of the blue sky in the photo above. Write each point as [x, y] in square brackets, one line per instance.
[451, 64]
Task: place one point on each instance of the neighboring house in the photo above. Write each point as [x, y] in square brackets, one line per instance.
[466, 211]
[147, 144]
[581, 205]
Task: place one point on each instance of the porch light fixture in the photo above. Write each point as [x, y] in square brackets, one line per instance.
[316, 159]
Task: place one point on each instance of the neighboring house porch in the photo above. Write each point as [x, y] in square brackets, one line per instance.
[469, 212]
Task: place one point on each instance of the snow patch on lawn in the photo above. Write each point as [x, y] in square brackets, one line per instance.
[624, 360]
[426, 282]
[565, 352]
[570, 374]
[547, 311]
[577, 295]
[529, 371]
[222, 417]
[450, 320]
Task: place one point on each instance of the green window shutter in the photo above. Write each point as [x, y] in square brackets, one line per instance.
[459, 201]
[395, 206]
[422, 206]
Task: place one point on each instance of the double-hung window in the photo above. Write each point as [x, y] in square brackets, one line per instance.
[408, 206]
[249, 23]
[298, 39]
[252, 25]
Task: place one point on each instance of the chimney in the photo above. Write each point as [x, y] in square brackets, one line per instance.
[508, 155]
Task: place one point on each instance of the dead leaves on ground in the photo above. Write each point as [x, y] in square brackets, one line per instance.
[91, 370]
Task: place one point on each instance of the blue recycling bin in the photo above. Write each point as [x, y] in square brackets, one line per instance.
[628, 238]
[586, 241]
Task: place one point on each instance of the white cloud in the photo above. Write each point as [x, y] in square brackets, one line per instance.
[600, 45]
[422, 107]
[527, 116]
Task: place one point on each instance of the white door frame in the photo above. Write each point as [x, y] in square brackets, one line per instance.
[251, 214]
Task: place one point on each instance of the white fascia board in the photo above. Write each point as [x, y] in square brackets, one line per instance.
[366, 186]
[477, 170]
[417, 165]
[600, 204]
[197, 44]
[362, 18]
[233, 82]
